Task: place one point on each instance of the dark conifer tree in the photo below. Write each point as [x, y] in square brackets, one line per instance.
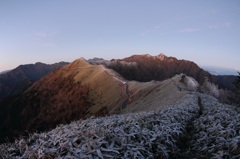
[237, 83]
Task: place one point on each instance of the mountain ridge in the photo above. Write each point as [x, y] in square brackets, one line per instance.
[214, 70]
[146, 67]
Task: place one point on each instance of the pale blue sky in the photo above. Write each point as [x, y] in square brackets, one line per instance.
[204, 31]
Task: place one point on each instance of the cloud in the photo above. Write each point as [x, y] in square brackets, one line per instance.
[227, 25]
[45, 34]
[221, 25]
[153, 29]
[145, 32]
[49, 45]
[188, 30]
[213, 11]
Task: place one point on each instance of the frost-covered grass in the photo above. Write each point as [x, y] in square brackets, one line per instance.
[138, 135]
[216, 132]
[212, 133]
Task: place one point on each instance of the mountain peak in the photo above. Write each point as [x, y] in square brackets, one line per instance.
[39, 63]
[147, 55]
[81, 62]
[161, 56]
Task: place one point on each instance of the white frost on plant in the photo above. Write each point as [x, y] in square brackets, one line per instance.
[137, 135]
[210, 88]
[192, 84]
[215, 133]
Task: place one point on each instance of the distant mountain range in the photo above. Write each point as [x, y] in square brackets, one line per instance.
[16, 81]
[4, 72]
[220, 71]
[38, 97]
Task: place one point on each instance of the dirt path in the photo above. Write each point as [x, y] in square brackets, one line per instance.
[127, 92]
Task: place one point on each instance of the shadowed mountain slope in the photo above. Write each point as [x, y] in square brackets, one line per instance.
[19, 79]
[4, 72]
[145, 68]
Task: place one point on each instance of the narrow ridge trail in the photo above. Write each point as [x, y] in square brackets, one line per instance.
[213, 133]
[185, 143]
[125, 102]
[123, 82]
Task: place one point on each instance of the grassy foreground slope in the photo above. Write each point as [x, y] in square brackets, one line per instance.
[137, 135]
[198, 127]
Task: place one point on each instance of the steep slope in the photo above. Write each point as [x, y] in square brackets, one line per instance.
[75, 91]
[19, 79]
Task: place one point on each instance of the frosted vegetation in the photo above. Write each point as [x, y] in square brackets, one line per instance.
[210, 88]
[216, 133]
[191, 83]
[138, 135]
[199, 127]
